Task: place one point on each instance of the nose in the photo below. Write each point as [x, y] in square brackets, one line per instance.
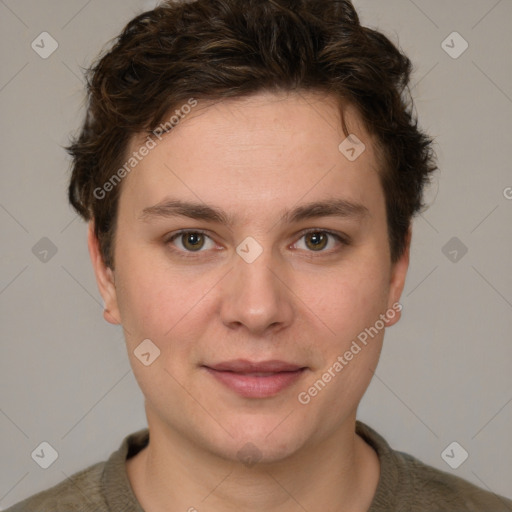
[257, 296]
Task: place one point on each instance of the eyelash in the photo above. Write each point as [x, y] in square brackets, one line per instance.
[342, 239]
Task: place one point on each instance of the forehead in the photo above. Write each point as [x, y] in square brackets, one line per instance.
[250, 152]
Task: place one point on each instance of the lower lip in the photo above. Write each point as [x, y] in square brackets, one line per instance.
[250, 386]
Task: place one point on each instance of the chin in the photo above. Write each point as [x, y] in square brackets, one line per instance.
[258, 451]
[261, 440]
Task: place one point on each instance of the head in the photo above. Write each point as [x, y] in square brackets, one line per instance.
[250, 170]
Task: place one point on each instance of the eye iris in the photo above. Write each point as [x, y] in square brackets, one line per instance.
[319, 240]
[192, 238]
[195, 241]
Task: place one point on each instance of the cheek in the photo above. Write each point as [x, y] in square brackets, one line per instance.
[156, 300]
[350, 356]
[157, 305]
[144, 295]
[353, 300]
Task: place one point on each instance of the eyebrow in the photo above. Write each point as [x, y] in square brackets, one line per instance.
[169, 208]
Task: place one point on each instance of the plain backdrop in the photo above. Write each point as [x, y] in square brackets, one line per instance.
[445, 372]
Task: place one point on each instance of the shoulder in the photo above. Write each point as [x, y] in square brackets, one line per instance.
[408, 484]
[102, 487]
[81, 492]
[437, 490]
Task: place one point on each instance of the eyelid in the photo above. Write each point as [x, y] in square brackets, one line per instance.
[175, 234]
[342, 238]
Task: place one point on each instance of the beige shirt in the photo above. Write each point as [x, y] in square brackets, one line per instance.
[405, 484]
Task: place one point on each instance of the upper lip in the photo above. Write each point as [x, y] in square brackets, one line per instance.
[245, 366]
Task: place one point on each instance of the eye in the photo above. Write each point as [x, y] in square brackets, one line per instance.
[190, 241]
[317, 240]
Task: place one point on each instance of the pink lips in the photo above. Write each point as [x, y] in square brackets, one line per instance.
[256, 379]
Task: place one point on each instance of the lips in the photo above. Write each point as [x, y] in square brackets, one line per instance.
[252, 379]
[244, 366]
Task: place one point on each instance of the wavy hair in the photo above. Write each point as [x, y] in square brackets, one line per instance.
[215, 49]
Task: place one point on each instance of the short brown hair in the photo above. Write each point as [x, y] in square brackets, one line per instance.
[216, 49]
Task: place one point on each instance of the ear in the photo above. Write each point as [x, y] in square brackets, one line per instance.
[105, 278]
[397, 280]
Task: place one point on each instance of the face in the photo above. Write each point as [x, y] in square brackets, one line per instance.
[254, 254]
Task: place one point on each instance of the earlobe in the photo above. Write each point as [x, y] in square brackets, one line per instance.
[397, 281]
[105, 278]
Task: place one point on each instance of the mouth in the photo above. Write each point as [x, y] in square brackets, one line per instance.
[256, 379]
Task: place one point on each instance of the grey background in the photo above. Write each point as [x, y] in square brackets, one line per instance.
[445, 371]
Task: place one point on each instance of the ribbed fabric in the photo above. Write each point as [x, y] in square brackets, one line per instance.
[405, 485]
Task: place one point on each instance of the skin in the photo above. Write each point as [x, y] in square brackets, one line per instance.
[254, 158]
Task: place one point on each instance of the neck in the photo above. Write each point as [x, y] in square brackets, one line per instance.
[173, 474]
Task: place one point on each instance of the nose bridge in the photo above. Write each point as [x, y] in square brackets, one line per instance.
[256, 297]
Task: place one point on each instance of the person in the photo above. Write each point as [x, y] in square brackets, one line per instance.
[249, 170]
